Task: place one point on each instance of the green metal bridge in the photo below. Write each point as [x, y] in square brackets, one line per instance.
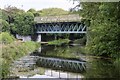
[71, 23]
[60, 24]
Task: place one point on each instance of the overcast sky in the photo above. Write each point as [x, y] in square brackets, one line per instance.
[38, 4]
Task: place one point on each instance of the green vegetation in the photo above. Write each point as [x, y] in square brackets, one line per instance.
[34, 12]
[103, 36]
[65, 52]
[17, 21]
[101, 68]
[59, 42]
[4, 26]
[13, 50]
[6, 38]
[23, 24]
[52, 12]
[81, 41]
[104, 30]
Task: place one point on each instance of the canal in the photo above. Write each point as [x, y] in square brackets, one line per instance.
[29, 65]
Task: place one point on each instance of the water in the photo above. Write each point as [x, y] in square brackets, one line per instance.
[95, 67]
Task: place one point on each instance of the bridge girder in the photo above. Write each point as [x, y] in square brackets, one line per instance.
[61, 27]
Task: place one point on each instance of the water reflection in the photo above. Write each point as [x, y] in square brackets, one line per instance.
[60, 52]
[61, 74]
[102, 68]
[96, 68]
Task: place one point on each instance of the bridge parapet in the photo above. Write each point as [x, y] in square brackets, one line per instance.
[61, 18]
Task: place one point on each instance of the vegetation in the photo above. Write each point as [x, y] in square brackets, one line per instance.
[12, 50]
[4, 26]
[34, 12]
[101, 68]
[52, 12]
[59, 42]
[6, 38]
[17, 21]
[104, 30]
[81, 41]
[23, 24]
[103, 36]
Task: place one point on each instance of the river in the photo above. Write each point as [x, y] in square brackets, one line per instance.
[95, 67]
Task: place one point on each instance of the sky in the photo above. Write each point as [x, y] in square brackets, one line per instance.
[38, 4]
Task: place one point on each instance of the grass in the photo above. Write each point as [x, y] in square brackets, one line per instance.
[11, 49]
[59, 42]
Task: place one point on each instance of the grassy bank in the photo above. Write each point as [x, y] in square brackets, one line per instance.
[59, 42]
[13, 50]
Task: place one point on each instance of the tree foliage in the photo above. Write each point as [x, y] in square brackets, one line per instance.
[104, 31]
[36, 13]
[4, 26]
[12, 50]
[9, 13]
[52, 12]
[17, 21]
[6, 38]
[23, 23]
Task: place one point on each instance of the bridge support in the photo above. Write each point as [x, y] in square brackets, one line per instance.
[39, 38]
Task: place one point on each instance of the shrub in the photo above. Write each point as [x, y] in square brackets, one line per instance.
[6, 38]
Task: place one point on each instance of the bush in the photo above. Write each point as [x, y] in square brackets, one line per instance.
[6, 38]
[58, 42]
[4, 68]
[13, 51]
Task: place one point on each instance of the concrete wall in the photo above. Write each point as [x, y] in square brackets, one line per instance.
[39, 38]
[23, 38]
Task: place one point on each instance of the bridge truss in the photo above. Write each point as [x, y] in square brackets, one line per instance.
[61, 27]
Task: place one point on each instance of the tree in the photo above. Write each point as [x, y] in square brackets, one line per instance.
[6, 38]
[24, 23]
[104, 31]
[52, 12]
[7, 18]
[4, 26]
[11, 12]
[34, 12]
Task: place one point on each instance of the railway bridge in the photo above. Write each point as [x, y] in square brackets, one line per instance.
[59, 24]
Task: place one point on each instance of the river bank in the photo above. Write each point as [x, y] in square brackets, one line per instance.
[12, 51]
[16, 51]
[96, 67]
